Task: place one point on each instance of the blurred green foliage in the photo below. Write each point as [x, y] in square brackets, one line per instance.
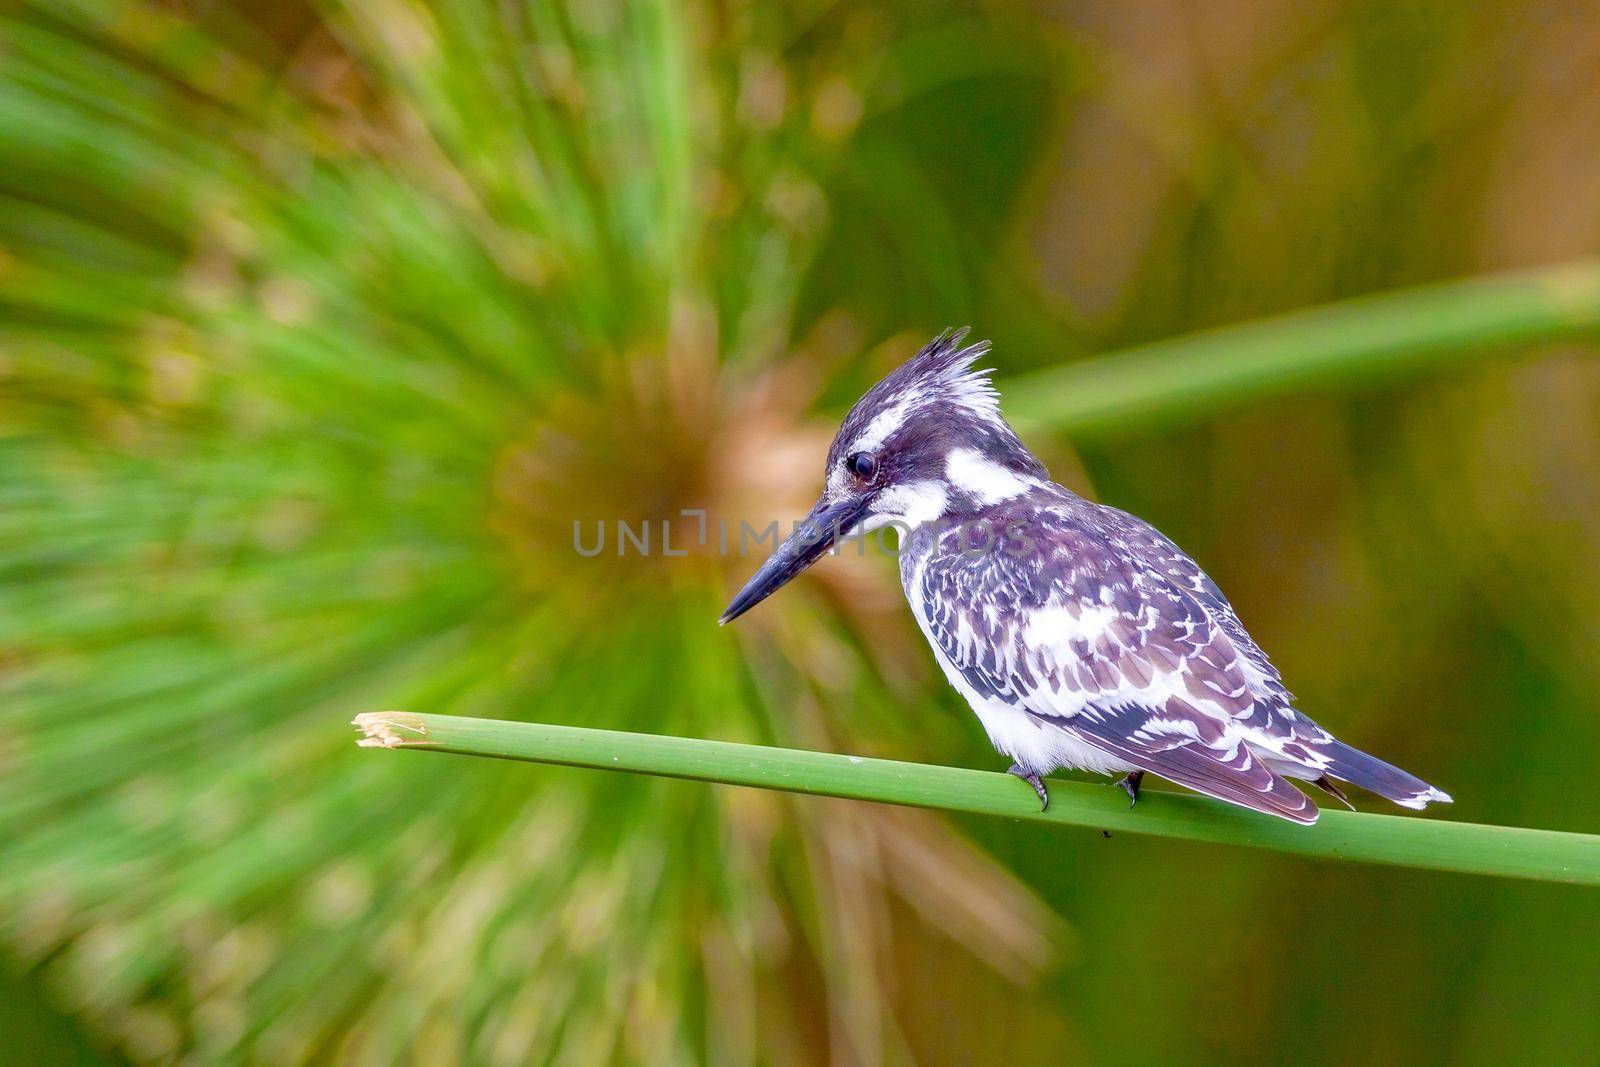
[320, 324]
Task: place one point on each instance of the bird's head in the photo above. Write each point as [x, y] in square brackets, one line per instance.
[926, 444]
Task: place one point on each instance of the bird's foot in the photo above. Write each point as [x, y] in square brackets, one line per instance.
[1033, 780]
[1326, 785]
[1130, 783]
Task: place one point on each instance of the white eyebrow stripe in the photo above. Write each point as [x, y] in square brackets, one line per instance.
[882, 426]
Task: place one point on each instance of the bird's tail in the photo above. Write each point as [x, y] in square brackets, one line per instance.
[1371, 773]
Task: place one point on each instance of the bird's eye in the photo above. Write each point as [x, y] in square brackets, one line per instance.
[863, 465]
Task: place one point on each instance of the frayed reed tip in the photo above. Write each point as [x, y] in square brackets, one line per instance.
[389, 729]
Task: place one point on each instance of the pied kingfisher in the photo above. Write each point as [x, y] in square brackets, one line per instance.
[1081, 636]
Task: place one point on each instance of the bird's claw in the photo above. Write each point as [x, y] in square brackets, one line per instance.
[1130, 783]
[1033, 780]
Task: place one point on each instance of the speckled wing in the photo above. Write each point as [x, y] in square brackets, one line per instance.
[1078, 626]
[1155, 551]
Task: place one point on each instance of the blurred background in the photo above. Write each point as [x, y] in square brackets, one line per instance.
[321, 323]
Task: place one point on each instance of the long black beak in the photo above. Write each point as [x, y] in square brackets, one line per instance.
[817, 533]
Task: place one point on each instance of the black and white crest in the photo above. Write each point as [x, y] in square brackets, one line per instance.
[935, 430]
[939, 377]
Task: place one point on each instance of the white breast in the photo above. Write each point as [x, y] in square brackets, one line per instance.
[1039, 747]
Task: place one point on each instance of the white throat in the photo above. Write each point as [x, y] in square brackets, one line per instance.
[910, 505]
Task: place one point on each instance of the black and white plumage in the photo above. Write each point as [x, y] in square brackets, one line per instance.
[1081, 636]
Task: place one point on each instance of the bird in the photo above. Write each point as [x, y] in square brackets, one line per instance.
[1081, 636]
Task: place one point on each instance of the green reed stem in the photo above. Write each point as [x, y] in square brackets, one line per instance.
[1382, 336]
[1403, 841]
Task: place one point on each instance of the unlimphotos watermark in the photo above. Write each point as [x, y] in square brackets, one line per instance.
[674, 538]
